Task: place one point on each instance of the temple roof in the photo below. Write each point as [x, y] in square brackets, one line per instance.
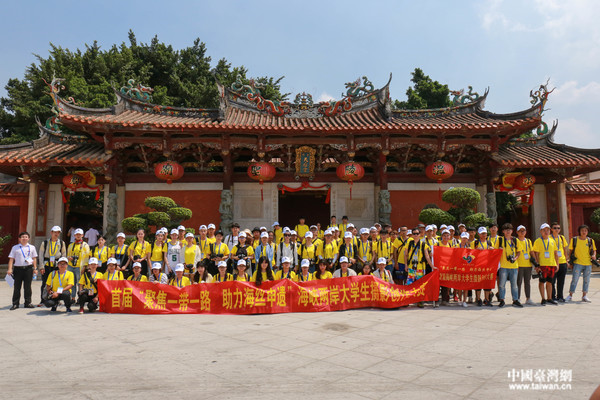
[583, 188]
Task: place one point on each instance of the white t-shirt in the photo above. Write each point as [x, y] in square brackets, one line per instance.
[23, 255]
[92, 236]
[175, 255]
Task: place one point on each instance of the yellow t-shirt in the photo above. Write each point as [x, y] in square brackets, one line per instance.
[80, 250]
[190, 254]
[561, 244]
[582, 250]
[301, 230]
[264, 277]
[180, 283]
[441, 244]
[88, 283]
[342, 228]
[364, 251]
[524, 248]
[142, 279]
[243, 278]
[308, 252]
[328, 250]
[158, 252]
[495, 241]
[217, 278]
[220, 248]
[212, 239]
[302, 278]
[204, 247]
[141, 250]
[119, 252]
[102, 254]
[278, 235]
[509, 249]
[292, 276]
[249, 250]
[56, 280]
[324, 275]
[383, 249]
[546, 250]
[115, 276]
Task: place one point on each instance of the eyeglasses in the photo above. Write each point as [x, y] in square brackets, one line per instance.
[556, 227]
[287, 234]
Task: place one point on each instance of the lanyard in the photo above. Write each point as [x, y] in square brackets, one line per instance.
[95, 273]
[100, 252]
[302, 277]
[121, 250]
[494, 241]
[143, 247]
[546, 245]
[28, 252]
[53, 248]
[558, 241]
[384, 275]
[60, 280]
[224, 278]
[364, 248]
[179, 282]
[350, 253]
[511, 246]
[112, 278]
[219, 248]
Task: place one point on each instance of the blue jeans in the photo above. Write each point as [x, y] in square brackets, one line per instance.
[77, 273]
[577, 270]
[508, 274]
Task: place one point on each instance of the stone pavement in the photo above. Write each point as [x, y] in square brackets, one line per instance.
[445, 353]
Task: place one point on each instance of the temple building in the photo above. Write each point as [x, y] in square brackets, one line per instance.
[114, 151]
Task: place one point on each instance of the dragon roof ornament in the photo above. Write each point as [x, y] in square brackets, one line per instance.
[461, 98]
[138, 92]
[540, 97]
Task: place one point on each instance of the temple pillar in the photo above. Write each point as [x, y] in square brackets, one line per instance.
[385, 207]
[490, 200]
[562, 208]
[482, 205]
[226, 205]
[112, 221]
[31, 208]
[539, 211]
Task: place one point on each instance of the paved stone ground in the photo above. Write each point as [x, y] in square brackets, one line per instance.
[448, 353]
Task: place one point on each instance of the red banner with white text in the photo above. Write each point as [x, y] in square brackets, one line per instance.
[271, 297]
[467, 269]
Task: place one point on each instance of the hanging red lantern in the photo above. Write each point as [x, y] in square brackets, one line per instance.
[439, 171]
[350, 171]
[79, 180]
[73, 181]
[261, 171]
[524, 182]
[168, 171]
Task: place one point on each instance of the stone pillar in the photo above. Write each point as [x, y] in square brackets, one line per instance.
[482, 206]
[385, 207]
[490, 199]
[226, 210]
[31, 208]
[539, 209]
[112, 221]
[562, 209]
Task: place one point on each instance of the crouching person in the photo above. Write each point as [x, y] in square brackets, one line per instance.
[59, 285]
[88, 287]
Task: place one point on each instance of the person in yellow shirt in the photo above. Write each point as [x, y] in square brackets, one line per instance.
[332, 222]
[101, 253]
[524, 246]
[159, 248]
[218, 251]
[120, 252]
[137, 274]
[191, 255]
[329, 250]
[278, 232]
[304, 275]
[243, 251]
[211, 233]
[482, 243]
[367, 269]
[584, 254]
[285, 272]
[179, 280]
[344, 270]
[509, 266]
[263, 271]
[320, 233]
[558, 284]
[545, 253]
[241, 274]
[59, 285]
[301, 228]
[308, 250]
[203, 241]
[140, 251]
[88, 286]
[322, 271]
[157, 276]
[112, 274]
[202, 275]
[222, 275]
[365, 251]
[445, 242]
[349, 250]
[343, 226]
[383, 249]
[78, 254]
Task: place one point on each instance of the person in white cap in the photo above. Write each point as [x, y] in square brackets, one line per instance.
[59, 286]
[137, 273]
[120, 252]
[545, 252]
[295, 237]
[88, 286]
[218, 252]
[157, 276]
[264, 249]
[210, 232]
[482, 243]
[509, 267]
[222, 275]
[203, 241]
[316, 240]
[240, 272]
[381, 272]
[191, 255]
[330, 249]
[78, 253]
[365, 249]
[101, 252]
[304, 275]
[336, 236]
[174, 254]
[399, 249]
[416, 258]
[243, 251]
[179, 280]
[322, 270]
[344, 270]
[301, 228]
[22, 266]
[277, 232]
[158, 248]
[182, 231]
[383, 249]
[349, 251]
[139, 251]
[582, 254]
[112, 273]
[287, 249]
[51, 250]
[524, 247]
[286, 272]
[455, 238]
[445, 242]
[309, 251]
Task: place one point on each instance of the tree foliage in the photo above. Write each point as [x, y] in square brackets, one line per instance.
[182, 78]
[426, 93]
[595, 217]
[464, 201]
[435, 216]
[165, 213]
[478, 219]
[3, 240]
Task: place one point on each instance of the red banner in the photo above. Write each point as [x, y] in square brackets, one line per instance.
[271, 297]
[467, 269]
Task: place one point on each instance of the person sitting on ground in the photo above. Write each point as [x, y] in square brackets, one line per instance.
[344, 270]
[157, 276]
[367, 269]
[381, 272]
[137, 273]
[59, 286]
[322, 272]
[240, 274]
[88, 286]
[179, 280]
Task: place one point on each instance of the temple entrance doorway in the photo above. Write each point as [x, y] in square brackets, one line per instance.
[307, 203]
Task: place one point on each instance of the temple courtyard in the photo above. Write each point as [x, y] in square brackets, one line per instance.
[449, 353]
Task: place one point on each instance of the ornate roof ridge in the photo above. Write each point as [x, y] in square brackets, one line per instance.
[455, 109]
[60, 136]
[537, 139]
[131, 103]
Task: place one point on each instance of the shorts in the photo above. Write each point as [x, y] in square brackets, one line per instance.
[547, 273]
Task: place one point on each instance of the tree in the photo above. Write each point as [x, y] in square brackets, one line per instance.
[464, 201]
[426, 93]
[3, 240]
[182, 78]
[165, 213]
[435, 216]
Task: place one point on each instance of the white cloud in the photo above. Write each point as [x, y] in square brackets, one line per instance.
[576, 132]
[571, 93]
[325, 97]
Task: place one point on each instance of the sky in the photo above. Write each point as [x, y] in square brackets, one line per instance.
[510, 47]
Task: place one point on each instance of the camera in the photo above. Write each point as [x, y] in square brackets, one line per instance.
[595, 262]
[511, 258]
[189, 267]
[75, 259]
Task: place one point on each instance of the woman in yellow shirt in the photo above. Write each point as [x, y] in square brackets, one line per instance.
[140, 251]
[241, 274]
[137, 274]
[304, 275]
[263, 271]
[285, 272]
[102, 253]
[222, 275]
[321, 272]
[88, 288]
[308, 250]
[192, 255]
[159, 248]
[179, 280]
[112, 274]
[367, 269]
[120, 252]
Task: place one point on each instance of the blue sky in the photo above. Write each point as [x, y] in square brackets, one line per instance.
[509, 46]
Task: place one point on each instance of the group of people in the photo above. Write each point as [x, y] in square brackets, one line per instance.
[180, 258]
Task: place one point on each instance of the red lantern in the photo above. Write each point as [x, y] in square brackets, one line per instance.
[350, 171]
[439, 171]
[79, 180]
[524, 182]
[261, 171]
[73, 181]
[168, 171]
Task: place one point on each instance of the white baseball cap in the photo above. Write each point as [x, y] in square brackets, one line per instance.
[202, 227]
[520, 227]
[544, 226]
[328, 232]
[409, 231]
[445, 231]
[241, 262]
[350, 225]
[78, 231]
[305, 263]
[293, 232]
[189, 234]
[450, 228]
[335, 228]
[56, 228]
[93, 260]
[137, 265]
[275, 223]
[364, 231]
[112, 260]
[434, 226]
[286, 230]
[174, 232]
[443, 226]
[222, 264]
[211, 226]
[481, 230]
[463, 225]
[343, 259]
[181, 228]
[179, 267]
[264, 234]
[156, 266]
[308, 235]
[348, 235]
[263, 228]
[372, 229]
[242, 234]
[121, 234]
[464, 235]
[381, 260]
[285, 260]
[428, 228]
[63, 259]
[313, 227]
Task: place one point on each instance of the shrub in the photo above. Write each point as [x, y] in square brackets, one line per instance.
[180, 213]
[132, 224]
[158, 218]
[160, 203]
[460, 213]
[430, 205]
[435, 216]
[595, 217]
[478, 219]
[462, 197]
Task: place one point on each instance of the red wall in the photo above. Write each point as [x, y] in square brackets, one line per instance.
[407, 204]
[203, 203]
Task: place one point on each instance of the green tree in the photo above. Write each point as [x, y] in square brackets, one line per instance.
[166, 213]
[182, 78]
[426, 93]
[3, 240]
[464, 201]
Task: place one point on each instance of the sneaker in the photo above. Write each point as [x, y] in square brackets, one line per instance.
[585, 299]
[465, 305]
[479, 303]
[501, 303]
[81, 310]
[544, 302]
[14, 307]
[69, 309]
[568, 299]
[517, 303]
[561, 300]
[488, 303]
[552, 302]
[497, 296]
[530, 302]
[53, 308]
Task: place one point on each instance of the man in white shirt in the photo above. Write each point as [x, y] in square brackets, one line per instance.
[91, 236]
[232, 239]
[22, 265]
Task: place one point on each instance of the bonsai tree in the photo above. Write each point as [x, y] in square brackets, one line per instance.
[478, 219]
[165, 213]
[463, 200]
[435, 216]
[3, 240]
